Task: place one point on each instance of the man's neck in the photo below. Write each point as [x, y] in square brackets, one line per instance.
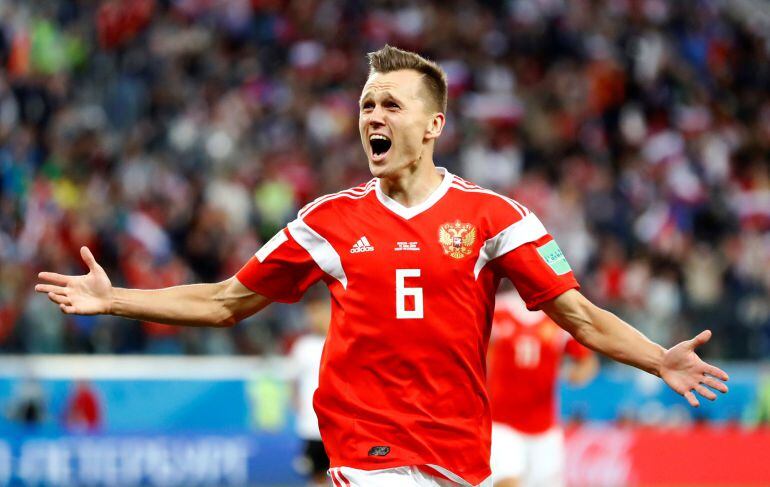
[412, 186]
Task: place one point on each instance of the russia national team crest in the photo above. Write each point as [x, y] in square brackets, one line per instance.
[457, 238]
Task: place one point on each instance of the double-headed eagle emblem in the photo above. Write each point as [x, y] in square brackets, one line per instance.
[457, 238]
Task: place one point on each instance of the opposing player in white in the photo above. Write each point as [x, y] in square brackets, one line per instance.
[305, 356]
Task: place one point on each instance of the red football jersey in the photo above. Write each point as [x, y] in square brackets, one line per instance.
[525, 353]
[402, 378]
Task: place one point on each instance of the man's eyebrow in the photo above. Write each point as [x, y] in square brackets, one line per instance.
[385, 94]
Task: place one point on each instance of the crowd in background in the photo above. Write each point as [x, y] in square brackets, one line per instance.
[173, 137]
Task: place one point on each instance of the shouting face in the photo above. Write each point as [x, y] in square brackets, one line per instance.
[397, 121]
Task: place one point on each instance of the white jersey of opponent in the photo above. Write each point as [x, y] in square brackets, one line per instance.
[306, 357]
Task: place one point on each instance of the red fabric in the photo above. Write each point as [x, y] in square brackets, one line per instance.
[84, 409]
[535, 281]
[19, 58]
[285, 276]
[611, 280]
[415, 385]
[650, 456]
[524, 360]
[575, 350]
[118, 21]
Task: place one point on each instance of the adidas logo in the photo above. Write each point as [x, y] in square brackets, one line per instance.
[362, 245]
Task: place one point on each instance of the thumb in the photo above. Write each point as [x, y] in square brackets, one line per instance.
[701, 338]
[88, 258]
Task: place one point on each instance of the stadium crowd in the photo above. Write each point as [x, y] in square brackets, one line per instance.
[173, 137]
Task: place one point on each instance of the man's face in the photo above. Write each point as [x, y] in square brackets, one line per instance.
[395, 120]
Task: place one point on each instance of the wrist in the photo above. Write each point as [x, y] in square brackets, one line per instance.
[659, 356]
[111, 302]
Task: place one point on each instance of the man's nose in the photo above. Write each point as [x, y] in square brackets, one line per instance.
[376, 116]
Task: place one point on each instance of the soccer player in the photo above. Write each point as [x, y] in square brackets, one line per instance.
[306, 357]
[412, 259]
[526, 349]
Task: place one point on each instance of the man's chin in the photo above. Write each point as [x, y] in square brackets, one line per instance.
[378, 169]
[389, 167]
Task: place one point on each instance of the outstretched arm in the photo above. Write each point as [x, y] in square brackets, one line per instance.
[598, 329]
[217, 304]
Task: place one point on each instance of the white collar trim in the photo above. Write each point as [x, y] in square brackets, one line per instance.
[409, 212]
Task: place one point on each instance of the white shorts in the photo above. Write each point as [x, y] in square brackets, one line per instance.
[536, 460]
[409, 476]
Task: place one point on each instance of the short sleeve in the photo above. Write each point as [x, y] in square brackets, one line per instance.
[539, 271]
[282, 270]
[576, 350]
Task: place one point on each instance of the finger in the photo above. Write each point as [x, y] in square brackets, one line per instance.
[714, 384]
[705, 392]
[54, 278]
[716, 372]
[48, 288]
[67, 309]
[59, 299]
[691, 399]
[702, 338]
[88, 258]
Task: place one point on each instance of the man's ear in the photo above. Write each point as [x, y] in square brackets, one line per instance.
[435, 126]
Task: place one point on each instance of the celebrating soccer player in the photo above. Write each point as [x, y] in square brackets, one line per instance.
[412, 260]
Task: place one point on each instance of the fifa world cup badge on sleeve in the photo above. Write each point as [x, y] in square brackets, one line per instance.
[553, 256]
[457, 239]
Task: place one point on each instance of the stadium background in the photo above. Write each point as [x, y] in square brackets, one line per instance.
[173, 137]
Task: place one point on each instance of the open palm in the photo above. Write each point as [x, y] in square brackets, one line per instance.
[685, 372]
[85, 295]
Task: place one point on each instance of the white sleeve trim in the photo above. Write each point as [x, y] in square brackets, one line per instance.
[319, 249]
[272, 244]
[528, 229]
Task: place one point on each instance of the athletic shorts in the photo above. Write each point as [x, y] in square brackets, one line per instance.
[536, 460]
[410, 476]
[315, 454]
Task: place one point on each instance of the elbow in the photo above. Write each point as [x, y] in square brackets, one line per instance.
[225, 318]
[579, 320]
[235, 302]
[223, 312]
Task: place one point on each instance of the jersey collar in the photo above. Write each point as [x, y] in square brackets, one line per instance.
[408, 212]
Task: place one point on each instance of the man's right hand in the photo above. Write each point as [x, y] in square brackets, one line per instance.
[89, 294]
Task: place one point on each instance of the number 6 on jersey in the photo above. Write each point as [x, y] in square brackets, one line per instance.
[402, 292]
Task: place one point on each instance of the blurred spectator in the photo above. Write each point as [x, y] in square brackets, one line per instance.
[305, 355]
[173, 137]
[28, 405]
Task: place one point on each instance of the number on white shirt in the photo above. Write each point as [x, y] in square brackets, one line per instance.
[527, 352]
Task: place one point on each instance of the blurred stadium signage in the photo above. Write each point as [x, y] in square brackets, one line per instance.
[180, 421]
[151, 460]
[655, 456]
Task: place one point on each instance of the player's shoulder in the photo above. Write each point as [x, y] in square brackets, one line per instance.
[486, 201]
[331, 203]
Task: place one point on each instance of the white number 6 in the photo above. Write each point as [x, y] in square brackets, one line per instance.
[402, 292]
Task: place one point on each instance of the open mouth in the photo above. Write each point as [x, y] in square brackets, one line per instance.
[380, 145]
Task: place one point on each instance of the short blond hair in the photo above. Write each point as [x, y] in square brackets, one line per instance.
[391, 58]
